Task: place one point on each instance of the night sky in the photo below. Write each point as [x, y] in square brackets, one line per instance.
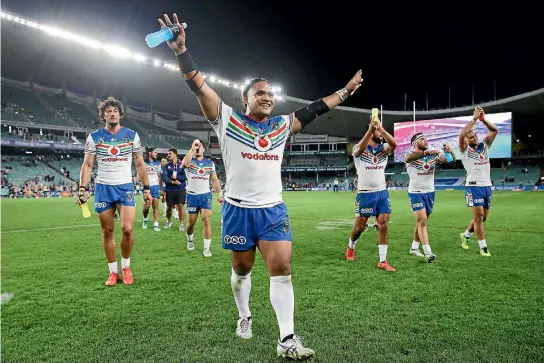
[312, 49]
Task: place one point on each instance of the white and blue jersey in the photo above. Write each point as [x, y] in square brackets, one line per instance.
[372, 198]
[252, 152]
[113, 153]
[153, 168]
[478, 181]
[198, 184]
[421, 187]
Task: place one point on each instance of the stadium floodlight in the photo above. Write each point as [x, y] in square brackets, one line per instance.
[114, 50]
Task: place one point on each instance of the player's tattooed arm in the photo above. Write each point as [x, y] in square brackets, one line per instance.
[414, 155]
[463, 142]
[140, 167]
[362, 145]
[86, 169]
[491, 133]
[389, 139]
[305, 115]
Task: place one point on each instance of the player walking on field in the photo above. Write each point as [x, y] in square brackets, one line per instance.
[254, 214]
[114, 147]
[370, 157]
[154, 171]
[475, 158]
[199, 171]
[421, 165]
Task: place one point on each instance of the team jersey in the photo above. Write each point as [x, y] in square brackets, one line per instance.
[252, 153]
[198, 175]
[476, 163]
[113, 154]
[153, 168]
[370, 168]
[421, 173]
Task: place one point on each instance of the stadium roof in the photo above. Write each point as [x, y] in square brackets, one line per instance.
[54, 55]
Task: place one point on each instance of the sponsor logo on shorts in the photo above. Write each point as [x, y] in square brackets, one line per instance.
[234, 240]
[366, 210]
[100, 204]
[417, 205]
[481, 200]
[260, 156]
[191, 209]
[130, 196]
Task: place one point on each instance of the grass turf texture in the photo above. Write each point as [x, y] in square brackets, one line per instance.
[462, 308]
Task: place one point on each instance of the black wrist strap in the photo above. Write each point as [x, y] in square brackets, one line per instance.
[186, 63]
[146, 187]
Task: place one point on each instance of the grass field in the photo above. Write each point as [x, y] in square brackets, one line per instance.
[462, 308]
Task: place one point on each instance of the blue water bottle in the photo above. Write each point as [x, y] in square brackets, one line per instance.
[449, 157]
[163, 35]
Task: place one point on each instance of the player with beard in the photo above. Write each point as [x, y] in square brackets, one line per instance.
[199, 171]
[370, 157]
[252, 147]
[154, 171]
[114, 147]
[475, 158]
[421, 165]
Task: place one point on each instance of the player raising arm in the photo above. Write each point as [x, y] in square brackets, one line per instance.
[370, 157]
[254, 215]
[199, 171]
[421, 165]
[475, 158]
[114, 147]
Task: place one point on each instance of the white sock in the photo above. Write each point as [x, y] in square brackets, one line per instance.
[164, 207]
[241, 287]
[427, 250]
[352, 244]
[415, 245]
[125, 262]
[382, 250]
[468, 234]
[156, 224]
[282, 298]
[189, 237]
[207, 243]
[112, 266]
[482, 243]
[145, 219]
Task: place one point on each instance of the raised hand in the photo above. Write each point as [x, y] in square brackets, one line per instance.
[354, 84]
[448, 149]
[178, 44]
[478, 111]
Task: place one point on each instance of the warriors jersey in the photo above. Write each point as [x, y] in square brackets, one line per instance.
[198, 175]
[476, 163]
[113, 154]
[370, 168]
[153, 168]
[252, 153]
[421, 173]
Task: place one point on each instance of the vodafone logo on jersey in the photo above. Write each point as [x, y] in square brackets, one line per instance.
[114, 150]
[262, 142]
[260, 156]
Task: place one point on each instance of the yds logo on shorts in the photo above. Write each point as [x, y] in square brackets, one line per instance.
[234, 240]
[417, 205]
[100, 204]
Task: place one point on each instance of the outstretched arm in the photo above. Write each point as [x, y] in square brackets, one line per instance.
[360, 147]
[492, 131]
[307, 114]
[207, 98]
[463, 135]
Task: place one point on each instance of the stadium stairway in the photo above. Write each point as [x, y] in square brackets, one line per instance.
[48, 106]
[58, 171]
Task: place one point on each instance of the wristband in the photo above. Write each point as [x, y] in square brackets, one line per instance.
[186, 63]
[343, 94]
[146, 187]
[85, 189]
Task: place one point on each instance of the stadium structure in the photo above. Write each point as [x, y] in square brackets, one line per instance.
[53, 80]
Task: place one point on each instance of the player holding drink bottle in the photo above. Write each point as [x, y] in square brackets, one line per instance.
[254, 215]
[199, 171]
[114, 147]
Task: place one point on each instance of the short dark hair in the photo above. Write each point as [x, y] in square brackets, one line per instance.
[150, 149]
[175, 151]
[110, 101]
[416, 135]
[248, 86]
